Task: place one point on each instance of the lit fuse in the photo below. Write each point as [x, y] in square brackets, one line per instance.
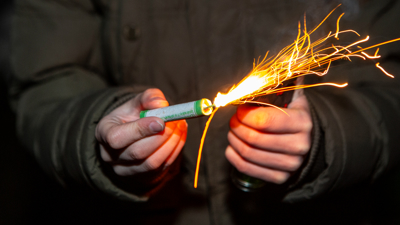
[202, 107]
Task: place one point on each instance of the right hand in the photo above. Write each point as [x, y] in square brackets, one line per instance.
[132, 145]
[268, 144]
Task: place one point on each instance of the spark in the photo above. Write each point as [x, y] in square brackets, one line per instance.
[371, 57]
[196, 177]
[376, 52]
[302, 57]
[337, 26]
[384, 71]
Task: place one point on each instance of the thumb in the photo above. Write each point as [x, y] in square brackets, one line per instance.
[120, 136]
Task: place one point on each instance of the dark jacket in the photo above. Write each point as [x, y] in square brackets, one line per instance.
[75, 61]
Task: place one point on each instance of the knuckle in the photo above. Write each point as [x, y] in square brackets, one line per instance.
[242, 167]
[307, 125]
[135, 154]
[294, 163]
[105, 156]
[140, 129]
[251, 137]
[120, 171]
[305, 148]
[113, 139]
[228, 154]
[306, 121]
[280, 178]
[107, 160]
[244, 151]
[301, 147]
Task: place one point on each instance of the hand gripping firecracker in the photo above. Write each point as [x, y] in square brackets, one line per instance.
[247, 183]
[202, 107]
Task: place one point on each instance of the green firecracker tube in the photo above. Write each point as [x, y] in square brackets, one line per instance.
[202, 107]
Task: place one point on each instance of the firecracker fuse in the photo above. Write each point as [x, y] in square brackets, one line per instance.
[202, 107]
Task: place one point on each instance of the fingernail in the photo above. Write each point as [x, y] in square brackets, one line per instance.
[159, 101]
[157, 98]
[156, 127]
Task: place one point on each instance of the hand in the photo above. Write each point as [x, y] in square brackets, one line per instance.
[266, 143]
[134, 146]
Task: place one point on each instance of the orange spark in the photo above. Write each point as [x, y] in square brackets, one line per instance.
[384, 71]
[371, 57]
[376, 52]
[337, 26]
[196, 176]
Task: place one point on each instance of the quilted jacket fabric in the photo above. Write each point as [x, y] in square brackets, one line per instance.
[74, 61]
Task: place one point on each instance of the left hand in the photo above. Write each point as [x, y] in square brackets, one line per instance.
[134, 146]
[267, 144]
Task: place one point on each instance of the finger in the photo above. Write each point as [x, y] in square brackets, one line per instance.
[155, 160]
[160, 157]
[104, 154]
[250, 169]
[108, 154]
[143, 148]
[153, 98]
[120, 136]
[300, 102]
[149, 99]
[296, 144]
[272, 120]
[179, 147]
[273, 160]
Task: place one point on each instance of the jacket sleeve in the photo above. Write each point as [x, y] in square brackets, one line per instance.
[358, 125]
[60, 90]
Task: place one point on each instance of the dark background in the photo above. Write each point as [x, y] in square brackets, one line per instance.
[28, 196]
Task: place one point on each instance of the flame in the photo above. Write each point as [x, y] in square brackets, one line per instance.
[246, 87]
[301, 58]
